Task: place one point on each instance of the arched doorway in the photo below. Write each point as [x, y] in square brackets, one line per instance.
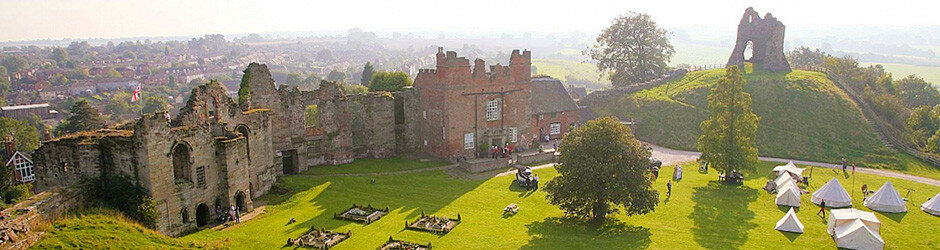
[202, 215]
[240, 202]
[181, 162]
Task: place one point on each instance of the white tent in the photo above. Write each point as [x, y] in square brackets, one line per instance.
[855, 235]
[790, 168]
[783, 179]
[788, 195]
[790, 223]
[845, 216]
[886, 199]
[932, 206]
[833, 194]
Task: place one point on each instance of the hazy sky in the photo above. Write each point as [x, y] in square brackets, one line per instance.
[56, 19]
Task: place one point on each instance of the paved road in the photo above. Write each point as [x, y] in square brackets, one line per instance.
[672, 156]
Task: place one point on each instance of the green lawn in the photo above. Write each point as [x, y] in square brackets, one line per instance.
[803, 115]
[375, 166]
[107, 229]
[700, 214]
[566, 70]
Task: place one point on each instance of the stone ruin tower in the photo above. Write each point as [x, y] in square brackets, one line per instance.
[766, 34]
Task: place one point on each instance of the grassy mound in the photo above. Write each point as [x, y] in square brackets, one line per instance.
[803, 115]
[700, 214]
[106, 229]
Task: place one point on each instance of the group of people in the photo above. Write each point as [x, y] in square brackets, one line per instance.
[501, 151]
[232, 215]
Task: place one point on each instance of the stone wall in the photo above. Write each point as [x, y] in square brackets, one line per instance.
[766, 36]
[19, 222]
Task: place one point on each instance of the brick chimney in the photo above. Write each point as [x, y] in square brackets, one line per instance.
[9, 147]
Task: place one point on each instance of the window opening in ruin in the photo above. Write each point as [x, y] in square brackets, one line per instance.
[492, 110]
[201, 176]
[748, 51]
[202, 215]
[185, 215]
[211, 108]
[554, 128]
[311, 116]
[245, 132]
[181, 163]
[468, 141]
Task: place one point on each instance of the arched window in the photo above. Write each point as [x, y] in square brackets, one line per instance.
[181, 163]
[245, 132]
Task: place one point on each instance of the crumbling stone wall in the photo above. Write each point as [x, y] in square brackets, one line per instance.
[766, 35]
[375, 135]
[407, 116]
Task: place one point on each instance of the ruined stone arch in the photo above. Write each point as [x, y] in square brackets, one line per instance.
[246, 132]
[241, 201]
[184, 213]
[181, 153]
[766, 35]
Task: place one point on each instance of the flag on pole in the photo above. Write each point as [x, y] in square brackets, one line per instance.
[136, 96]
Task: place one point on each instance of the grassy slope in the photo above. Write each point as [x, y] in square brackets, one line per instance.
[98, 230]
[803, 116]
[375, 166]
[700, 214]
[561, 69]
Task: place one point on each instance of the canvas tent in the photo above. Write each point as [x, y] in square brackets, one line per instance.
[790, 223]
[855, 229]
[932, 206]
[783, 179]
[855, 235]
[886, 199]
[790, 168]
[788, 195]
[833, 194]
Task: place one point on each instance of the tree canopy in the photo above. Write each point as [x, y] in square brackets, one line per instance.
[389, 81]
[603, 167]
[634, 49]
[83, 118]
[727, 140]
[27, 139]
[367, 72]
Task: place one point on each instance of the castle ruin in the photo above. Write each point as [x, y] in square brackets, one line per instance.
[766, 38]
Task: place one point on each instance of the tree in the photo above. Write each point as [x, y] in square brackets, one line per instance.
[805, 57]
[60, 55]
[27, 139]
[603, 166]
[244, 90]
[112, 73]
[336, 76]
[154, 103]
[389, 81]
[83, 118]
[914, 91]
[634, 49]
[15, 64]
[727, 140]
[5, 85]
[367, 72]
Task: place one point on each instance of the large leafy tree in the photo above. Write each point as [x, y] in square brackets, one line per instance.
[389, 81]
[83, 118]
[727, 140]
[603, 167]
[367, 72]
[633, 49]
[915, 92]
[27, 139]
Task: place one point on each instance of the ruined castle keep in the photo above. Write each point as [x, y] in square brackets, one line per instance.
[218, 153]
[766, 37]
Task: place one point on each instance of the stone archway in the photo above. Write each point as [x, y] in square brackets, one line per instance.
[202, 215]
[766, 37]
[241, 202]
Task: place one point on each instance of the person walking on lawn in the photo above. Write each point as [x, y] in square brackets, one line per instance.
[822, 208]
[669, 189]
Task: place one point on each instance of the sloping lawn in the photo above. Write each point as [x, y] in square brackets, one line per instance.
[700, 214]
[362, 166]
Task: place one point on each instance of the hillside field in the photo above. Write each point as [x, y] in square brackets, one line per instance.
[803, 115]
[701, 213]
[930, 73]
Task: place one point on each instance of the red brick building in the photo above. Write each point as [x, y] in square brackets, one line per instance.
[466, 109]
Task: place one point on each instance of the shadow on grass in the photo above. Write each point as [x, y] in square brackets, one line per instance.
[790, 236]
[523, 192]
[896, 217]
[785, 209]
[573, 233]
[721, 215]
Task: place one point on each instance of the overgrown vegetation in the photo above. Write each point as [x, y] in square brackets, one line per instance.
[389, 81]
[121, 194]
[101, 229]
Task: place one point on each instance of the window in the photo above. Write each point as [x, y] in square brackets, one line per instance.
[513, 135]
[24, 167]
[201, 176]
[553, 114]
[492, 110]
[468, 141]
[554, 128]
[181, 163]
[311, 116]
